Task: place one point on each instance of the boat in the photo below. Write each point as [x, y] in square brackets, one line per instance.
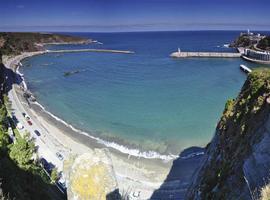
[245, 69]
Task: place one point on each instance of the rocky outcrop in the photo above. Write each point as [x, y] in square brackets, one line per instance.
[236, 164]
[91, 176]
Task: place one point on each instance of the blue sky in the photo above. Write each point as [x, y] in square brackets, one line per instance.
[133, 15]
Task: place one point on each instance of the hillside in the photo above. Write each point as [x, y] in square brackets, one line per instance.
[237, 161]
[242, 41]
[21, 177]
[264, 43]
[14, 43]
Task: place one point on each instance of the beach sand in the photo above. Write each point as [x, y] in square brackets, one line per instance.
[134, 174]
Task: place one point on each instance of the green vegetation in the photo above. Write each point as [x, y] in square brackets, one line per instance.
[228, 111]
[257, 79]
[22, 152]
[242, 41]
[3, 128]
[20, 176]
[264, 43]
[242, 118]
[15, 43]
[54, 175]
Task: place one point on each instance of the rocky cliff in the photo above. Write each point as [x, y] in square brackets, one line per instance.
[236, 164]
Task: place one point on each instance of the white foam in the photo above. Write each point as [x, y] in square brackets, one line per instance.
[121, 148]
[223, 46]
[114, 145]
[192, 155]
[21, 75]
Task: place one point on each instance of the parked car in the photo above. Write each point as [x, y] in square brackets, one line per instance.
[25, 116]
[37, 132]
[62, 186]
[14, 118]
[19, 126]
[29, 122]
[46, 165]
[59, 156]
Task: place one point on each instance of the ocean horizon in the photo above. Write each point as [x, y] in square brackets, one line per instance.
[147, 100]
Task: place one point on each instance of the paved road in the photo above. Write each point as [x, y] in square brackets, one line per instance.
[47, 145]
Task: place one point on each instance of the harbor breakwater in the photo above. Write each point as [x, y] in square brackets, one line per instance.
[180, 54]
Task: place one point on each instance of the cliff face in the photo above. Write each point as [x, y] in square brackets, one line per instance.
[236, 164]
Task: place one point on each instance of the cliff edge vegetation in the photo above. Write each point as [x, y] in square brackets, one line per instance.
[21, 177]
[237, 161]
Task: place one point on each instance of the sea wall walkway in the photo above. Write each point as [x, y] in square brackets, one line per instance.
[256, 61]
[90, 50]
[205, 54]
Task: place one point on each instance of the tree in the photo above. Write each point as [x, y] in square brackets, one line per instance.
[3, 129]
[54, 175]
[22, 152]
[264, 43]
[3, 142]
[3, 117]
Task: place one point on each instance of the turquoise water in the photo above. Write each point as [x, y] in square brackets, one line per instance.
[146, 100]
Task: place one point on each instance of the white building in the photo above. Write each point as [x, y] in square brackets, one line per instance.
[258, 55]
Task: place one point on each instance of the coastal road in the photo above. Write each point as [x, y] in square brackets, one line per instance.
[47, 145]
[140, 175]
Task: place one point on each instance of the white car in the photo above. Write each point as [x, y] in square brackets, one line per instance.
[19, 126]
[59, 156]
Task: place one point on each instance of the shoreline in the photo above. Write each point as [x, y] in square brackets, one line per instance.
[141, 174]
[81, 135]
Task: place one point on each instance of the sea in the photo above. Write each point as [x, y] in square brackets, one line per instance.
[146, 102]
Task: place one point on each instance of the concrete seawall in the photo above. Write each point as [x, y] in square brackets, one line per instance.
[90, 50]
[256, 61]
[205, 54]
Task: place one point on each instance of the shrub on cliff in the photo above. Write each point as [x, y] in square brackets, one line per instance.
[22, 152]
[241, 127]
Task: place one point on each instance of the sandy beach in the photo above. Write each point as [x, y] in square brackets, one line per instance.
[133, 174]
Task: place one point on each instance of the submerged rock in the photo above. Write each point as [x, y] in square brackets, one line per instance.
[71, 73]
[91, 176]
